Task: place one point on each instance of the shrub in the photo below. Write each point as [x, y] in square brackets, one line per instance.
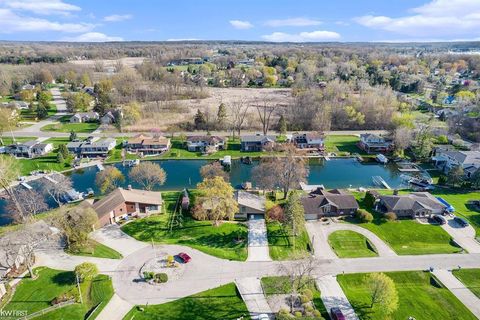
[308, 293]
[442, 139]
[309, 308]
[161, 277]
[298, 314]
[86, 271]
[304, 299]
[317, 314]
[442, 180]
[148, 275]
[364, 216]
[276, 213]
[390, 216]
[283, 314]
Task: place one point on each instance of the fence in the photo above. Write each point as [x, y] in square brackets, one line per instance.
[46, 310]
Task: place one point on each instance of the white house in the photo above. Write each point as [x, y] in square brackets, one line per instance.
[468, 160]
[205, 143]
[309, 140]
[373, 143]
[84, 117]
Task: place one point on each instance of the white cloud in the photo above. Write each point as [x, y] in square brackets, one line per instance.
[437, 18]
[117, 17]
[92, 37]
[293, 22]
[242, 25]
[43, 7]
[302, 36]
[11, 22]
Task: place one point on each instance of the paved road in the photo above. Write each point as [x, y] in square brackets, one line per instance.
[252, 294]
[333, 296]
[319, 231]
[464, 236]
[459, 290]
[257, 241]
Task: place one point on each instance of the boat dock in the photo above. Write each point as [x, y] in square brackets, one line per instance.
[51, 179]
[26, 185]
[100, 167]
[327, 158]
[379, 181]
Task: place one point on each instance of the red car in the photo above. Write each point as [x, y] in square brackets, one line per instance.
[185, 257]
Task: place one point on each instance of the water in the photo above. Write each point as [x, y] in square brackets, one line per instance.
[336, 173]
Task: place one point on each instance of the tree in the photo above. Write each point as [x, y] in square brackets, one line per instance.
[45, 76]
[294, 215]
[76, 223]
[86, 271]
[109, 179]
[41, 111]
[423, 143]
[455, 175]
[402, 139]
[382, 292]
[476, 178]
[215, 201]
[276, 213]
[78, 101]
[221, 115]
[58, 188]
[200, 120]
[282, 125]
[85, 80]
[238, 110]
[131, 113]
[73, 136]
[62, 148]
[265, 110]
[31, 203]
[214, 169]
[9, 172]
[148, 174]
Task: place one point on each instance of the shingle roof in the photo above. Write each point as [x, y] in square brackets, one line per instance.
[319, 198]
[257, 138]
[250, 200]
[412, 201]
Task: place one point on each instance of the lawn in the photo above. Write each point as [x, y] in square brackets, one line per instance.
[85, 127]
[351, 244]
[282, 246]
[227, 241]
[470, 278]
[35, 295]
[343, 145]
[223, 302]
[96, 249]
[420, 296]
[282, 285]
[31, 115]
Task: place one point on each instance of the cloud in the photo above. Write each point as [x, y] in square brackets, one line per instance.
[117, 17]
[293, 22]
[92, 37]
[242, 25]
[437, 18]
[11, 22]
[42, 7]
[302, 36]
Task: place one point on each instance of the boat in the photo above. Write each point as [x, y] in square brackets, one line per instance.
[90, 192]
[381, 158]
[226, 161]
[72, 196]
[246, 160]
[131, 163]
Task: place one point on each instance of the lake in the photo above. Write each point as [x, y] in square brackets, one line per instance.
[335, 173]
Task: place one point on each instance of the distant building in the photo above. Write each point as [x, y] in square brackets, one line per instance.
[372, 143]
[205, 143]
[148, 145]
[257, 142]
[84, 117]
[413, 205]
[447, 160]
[90, 148]
[310, 140]
[248, 204]
[334, 203]
[107, 118]
[29, 149]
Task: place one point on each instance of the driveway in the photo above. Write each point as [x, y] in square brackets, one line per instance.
[333, 296]
[252, 294]
[257, 240]
[459, 290]
[464, 236]
[116, 309]
[112, 236]
[319, 232]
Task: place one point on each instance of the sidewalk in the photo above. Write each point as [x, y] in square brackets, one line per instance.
[116, 309]
[332, 296]
[252, 294]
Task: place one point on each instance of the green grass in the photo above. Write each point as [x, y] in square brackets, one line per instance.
[281, 244]
[282, 285]
[31, 115]
[85, 127]
[115, 155]
[35, 295]
[227, 241]
[9, 140]
[420, 296]
[343, 145]
[96, 249]
[351, 244]
[219, 303]
[470, 278]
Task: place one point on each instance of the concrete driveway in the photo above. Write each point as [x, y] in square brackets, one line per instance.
[333, 296]
[252, 294]
[319, 232]
[112, 236]
[464, 236]
[257, 240]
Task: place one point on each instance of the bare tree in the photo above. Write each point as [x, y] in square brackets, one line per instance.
[402, 138]
[148, 175]
[31, 203]
[238, 110]
[57, 189]
[214, 169]
[9, 172]
[265, 110]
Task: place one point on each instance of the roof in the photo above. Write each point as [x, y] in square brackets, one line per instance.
[257, 138]
[120, 195]
[336, 197]
[250, 200]
[464, 157]
[370, 136]
[412, 201]
[145, 139]
[208, 138]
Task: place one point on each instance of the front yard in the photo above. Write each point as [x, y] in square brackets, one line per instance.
[470, 278]
[420, 296]
[85, 127]
[219, 303]
[98, 250]
[350, 244]
[282, 246]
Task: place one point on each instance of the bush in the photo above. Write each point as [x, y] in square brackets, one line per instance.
[86, 271]
[304, 299]
[276, 213]
[283, 314]
[390, 216]
[317, 314]
[442, 139]
[308, 293]
[298, 314]
[364, 216]
[442, 180]
[148, 275]
[161, 277]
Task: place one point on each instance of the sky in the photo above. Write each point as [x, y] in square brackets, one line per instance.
[251, 20]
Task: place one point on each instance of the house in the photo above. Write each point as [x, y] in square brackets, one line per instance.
[413, 205]
[107, 118]
[205, 143]
[249, 204]
[148, 145]
[468, 160]
[29, 149]
[89, 148]
[372, 143]
[322, 203]
[85, 117]
[257, 142]
[124, 203]
[309, 140]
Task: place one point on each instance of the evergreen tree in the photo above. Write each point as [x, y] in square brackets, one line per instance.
[282, 125]
[60, 158]
[62, 149]
[200, 120]
[222, 115]
[73, 135]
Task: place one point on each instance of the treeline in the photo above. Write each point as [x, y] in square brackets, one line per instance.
[30, 60]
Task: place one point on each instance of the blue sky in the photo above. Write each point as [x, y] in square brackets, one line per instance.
[257, 20]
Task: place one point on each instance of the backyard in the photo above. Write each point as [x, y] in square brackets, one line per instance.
[350, 244]
[223, 302]
[420, 295]
[343, 145]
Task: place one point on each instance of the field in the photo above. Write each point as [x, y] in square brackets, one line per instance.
[219, 303]
[470, 278]
[227, 241]
[282, 246]
[420, 296]
[350, 244]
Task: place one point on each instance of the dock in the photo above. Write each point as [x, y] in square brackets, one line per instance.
[326, 158]
[379, 181]
[51, 179]
[100, 167]
[26, 185]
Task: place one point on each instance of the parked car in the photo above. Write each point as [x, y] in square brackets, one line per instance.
[263, 316]
[462, 222]
[185, 257]
[336, 314]
[439, 219]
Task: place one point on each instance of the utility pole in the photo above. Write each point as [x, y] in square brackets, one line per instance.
[79, 291]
